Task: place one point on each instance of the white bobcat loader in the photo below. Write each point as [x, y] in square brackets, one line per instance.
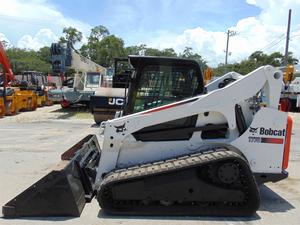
[205, 155]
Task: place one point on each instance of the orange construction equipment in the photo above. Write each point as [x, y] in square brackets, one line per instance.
[14, 96]
[11, 104]
[208, 74]
[26, 100]
[288, 74]
[2, 108]
[8, 102]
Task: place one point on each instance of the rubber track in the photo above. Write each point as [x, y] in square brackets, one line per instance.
[213, 155]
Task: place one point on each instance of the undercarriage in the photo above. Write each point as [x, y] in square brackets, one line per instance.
[217, 182]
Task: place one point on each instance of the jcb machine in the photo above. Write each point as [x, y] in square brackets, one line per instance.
[204, 155]
[110, 98]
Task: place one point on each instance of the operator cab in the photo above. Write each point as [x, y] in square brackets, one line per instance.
[93, 80]
[122, 72]
[159, 81]
[33, 79]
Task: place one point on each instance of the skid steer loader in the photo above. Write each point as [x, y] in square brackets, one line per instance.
[205, 155]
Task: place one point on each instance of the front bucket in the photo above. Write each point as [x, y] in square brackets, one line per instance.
[62, 192]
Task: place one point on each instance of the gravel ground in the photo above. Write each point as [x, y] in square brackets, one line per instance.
[31, 144]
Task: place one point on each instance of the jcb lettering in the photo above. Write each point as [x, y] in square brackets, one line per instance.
[115, 101]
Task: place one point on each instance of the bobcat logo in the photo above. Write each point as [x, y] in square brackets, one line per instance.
[253, 130]
[121, 128]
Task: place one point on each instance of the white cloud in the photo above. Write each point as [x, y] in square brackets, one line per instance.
[36, 23]
[3, 38]
[264, 32]
[42, 38]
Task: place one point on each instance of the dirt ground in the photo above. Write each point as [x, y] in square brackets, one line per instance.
[31, 144]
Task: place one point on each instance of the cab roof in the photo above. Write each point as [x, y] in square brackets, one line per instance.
[140, 61]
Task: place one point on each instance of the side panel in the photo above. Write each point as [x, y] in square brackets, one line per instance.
[263, 142]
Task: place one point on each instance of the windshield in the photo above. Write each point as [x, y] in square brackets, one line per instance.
[160, 85]
[92, 79]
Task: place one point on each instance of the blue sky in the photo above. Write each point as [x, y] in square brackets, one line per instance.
[159, 24]
[138, 20]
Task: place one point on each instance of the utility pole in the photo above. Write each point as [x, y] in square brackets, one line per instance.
[230, 33]
[287, 39]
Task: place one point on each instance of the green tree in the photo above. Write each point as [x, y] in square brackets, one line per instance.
[291, 60]
[169, 52]
[135, 49]
[142, 49]
[22, 59]
[104, 51]
[102, 47]
[44, 54]
[259, 57]
[71, 36]
[153, 52]
[188, 53]
[275, 59]
[85, 50]
[255, 60]
[98, 33]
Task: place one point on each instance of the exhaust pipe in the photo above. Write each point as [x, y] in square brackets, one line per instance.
[65, 190]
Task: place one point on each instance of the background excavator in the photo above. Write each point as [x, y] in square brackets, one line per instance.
[203, 155]
[8, 101]
[15, 95]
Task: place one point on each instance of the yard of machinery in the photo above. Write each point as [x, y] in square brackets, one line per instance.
[168, 142]
[23, 92]
[178, 146]
[165, 157]
[32, 158]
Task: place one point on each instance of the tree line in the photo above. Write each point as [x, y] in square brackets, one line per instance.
[102, 47]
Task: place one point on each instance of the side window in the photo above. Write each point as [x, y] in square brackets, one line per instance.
[93, 79]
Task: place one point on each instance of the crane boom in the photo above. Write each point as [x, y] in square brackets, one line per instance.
[82, 64]
[66, 57]
[8, 74]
